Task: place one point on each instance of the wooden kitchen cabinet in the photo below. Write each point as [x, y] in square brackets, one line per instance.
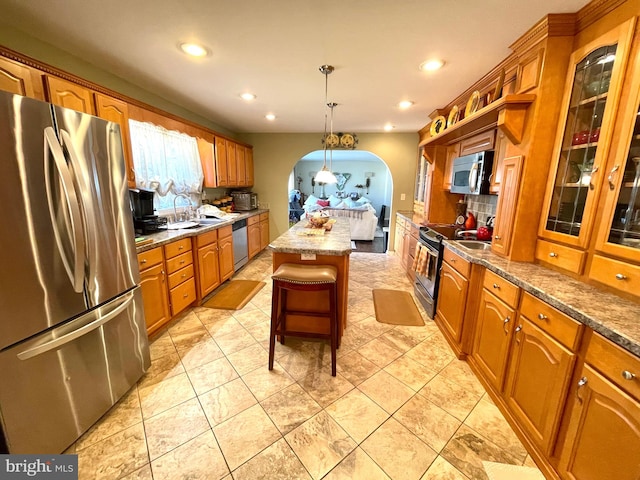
[241, 166]
[398, 239]
[511, 172]
[603, 434]
[478, 143]
[222, 175]
[20, 79]
[117, 111]
[225, 257]
[499, 155]
[264, 230]
[453, 152]
[249, 161]
[69, 95]
[206, 151]
[208, 263]
[182, 286]
[253, 235]
[232, 166]
[153, 284]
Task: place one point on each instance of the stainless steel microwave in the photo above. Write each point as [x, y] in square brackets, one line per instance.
[470, 174]
[244, 201]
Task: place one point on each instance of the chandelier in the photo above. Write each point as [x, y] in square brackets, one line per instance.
[325, 175]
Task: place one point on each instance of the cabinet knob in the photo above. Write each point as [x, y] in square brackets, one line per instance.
[181, 247]
[518, 328]
[620, 276]
[495, 285]
[144, 260]
[542, 316]
[497, 237]
[627, 375]
[553, 254]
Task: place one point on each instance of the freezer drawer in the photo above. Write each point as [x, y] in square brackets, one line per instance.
[56, 385]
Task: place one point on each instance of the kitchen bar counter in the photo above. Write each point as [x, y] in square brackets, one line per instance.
[167, 236]
[612, 316]
[331, 248]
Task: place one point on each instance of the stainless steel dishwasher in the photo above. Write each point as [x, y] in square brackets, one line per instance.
[240, 247]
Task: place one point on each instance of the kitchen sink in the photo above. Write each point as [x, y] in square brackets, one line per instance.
[474, 244]
[182, 225]
[211, 221]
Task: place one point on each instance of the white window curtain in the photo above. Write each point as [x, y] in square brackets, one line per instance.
[166, 162]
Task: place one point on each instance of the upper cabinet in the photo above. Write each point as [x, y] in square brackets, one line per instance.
[591, 100]
[20, 79]
[69, 95]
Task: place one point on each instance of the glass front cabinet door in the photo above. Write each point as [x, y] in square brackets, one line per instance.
[592, 96]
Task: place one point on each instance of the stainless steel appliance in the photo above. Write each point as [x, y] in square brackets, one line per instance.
[470, 173]
[427, 283]
[244, 201]
[240, 244]
[72, 330]
[144, 219]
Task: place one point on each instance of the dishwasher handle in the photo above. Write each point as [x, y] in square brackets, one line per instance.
[238, 224]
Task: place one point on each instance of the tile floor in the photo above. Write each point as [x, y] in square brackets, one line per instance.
[401, 407]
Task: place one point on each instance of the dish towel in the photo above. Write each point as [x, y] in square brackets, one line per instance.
[421, 260]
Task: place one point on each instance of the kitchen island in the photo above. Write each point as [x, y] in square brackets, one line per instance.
[299, 245]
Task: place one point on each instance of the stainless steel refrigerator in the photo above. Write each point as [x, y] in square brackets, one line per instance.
[72, 331]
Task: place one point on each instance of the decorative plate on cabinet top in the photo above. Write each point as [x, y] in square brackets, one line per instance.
[437, 125]
[472, 104]
[454, 114]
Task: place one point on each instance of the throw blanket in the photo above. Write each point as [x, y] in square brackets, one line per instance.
[338, 212]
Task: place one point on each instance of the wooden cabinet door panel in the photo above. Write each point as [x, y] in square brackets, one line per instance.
[539, 375]
[154, 297]
[69, 95]
[225, 257]
[249, 161]
[207, 159]
[221, 162]
[253, 239]
[492, 339]
[232, 167]
[507, 203]
[603, 438]
[16, 78]
[453, 152]
[452, 300]
[264, 234]
[208, 268]
[241, 167]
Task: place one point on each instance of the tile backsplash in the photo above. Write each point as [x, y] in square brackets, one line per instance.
[482, 206]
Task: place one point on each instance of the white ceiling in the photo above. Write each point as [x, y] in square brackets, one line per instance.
[273, 48]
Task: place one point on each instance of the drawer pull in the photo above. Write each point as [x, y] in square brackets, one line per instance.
[611, 177]
[593, 174]
[495, 285]
[497, 237]
[181, 262]
[504, 325]
[627, 375]
[185, 295]
[581, 383]
[620, 276]
[144, 260]
[542, 316]
[181, 247]
[553, 254]
[184, 275]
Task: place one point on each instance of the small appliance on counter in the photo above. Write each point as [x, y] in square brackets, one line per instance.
[244, 201]
[144, 219]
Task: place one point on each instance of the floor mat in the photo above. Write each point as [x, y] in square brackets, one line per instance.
[235, 295]
[396, 307]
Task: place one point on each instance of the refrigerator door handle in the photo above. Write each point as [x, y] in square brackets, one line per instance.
[122, 304]
[75, 271]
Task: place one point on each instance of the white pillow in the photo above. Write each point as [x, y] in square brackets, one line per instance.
[341, 206]
[350, 203]
[333, 200]
[363, 200]
[312, 208]
[311, 200]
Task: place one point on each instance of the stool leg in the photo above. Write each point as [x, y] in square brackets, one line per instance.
[333, 320]
[274, 323]
[283, 315]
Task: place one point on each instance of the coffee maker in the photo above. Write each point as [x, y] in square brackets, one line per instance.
[144, 219]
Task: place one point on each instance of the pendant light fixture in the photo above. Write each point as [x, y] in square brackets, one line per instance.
[325, 175]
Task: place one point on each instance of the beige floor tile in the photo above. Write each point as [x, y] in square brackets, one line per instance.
[167, 366]
[502, 471]
[199, 458]
[440, 469]
[244, 435]
[355, 368]
[211, 375]
[264, 382]
[325, 388]
[174, 427]
[251, 317]
[411, 373]
[486, 419]
[528, 462]
[320, 444]
[303, 362]
[143, 473]
[399, 340]
[467, 450]
[290, 408]
[248, 359]
[225, 401]
[161, 344]
[221, 326]
[260, 332]
[235, 341]
[355, 315]
[277, 462]
[115, 456]
[121, 416]
[387, 391]
[458, 371]
[200, 353]
[419, 333]
[450, 396]
[428, 422]
[158, 397]
[431, 355]
[398, 452]
[373, 327]
[357, 414]
[357, 465]
[354, 337]
[379, 352]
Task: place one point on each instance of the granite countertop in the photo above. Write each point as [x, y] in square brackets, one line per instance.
[336, 241]
[612, 316]
[167, 236]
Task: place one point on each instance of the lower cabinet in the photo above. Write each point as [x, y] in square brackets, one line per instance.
[182, 286]
[264, 230]
[225, 252]
[253, 235]
[208, 263]
[153, 283]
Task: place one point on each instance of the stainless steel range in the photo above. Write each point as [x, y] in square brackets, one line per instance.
[428, 275]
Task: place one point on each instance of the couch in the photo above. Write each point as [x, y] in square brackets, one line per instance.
[361, 214]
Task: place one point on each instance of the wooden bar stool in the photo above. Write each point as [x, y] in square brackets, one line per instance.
[305, 278]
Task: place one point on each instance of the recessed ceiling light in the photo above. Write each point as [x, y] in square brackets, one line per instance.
[388, 127]
[194, 49]
[270, 116]
[405, 104]
[248, 96]
[431, 65]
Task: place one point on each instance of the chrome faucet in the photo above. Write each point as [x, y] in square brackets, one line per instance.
[175, 211]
